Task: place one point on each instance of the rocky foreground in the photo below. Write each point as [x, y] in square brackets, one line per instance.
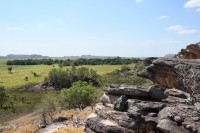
[142, 110]
[171, 105]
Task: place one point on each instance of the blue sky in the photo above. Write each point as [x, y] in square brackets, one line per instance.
[131, 28]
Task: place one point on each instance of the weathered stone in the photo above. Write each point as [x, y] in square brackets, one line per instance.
[105, 99]
[178, 119]
[121, 103]
[152, 114]
[145, 115]
[99, 125]
[112, 98]
[131, 91]
[171, 99]
[177, 93]
[190, 52]
[147, 106]
[149, 60]
[188, 115]
[182, 74]
[155, 92]
[168, 126]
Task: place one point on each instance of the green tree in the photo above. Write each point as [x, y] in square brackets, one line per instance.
[9, 69]
[80, 95]
[125, 68]
[2, 96]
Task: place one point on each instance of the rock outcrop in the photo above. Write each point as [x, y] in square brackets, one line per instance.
[182, 74]
[166, 107]
[144, 110]
[190, 52]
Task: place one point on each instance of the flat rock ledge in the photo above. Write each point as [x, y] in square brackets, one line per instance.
[132, 109]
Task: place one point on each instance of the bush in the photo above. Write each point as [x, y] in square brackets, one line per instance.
[125, 68]
[9, 69]
[26, 78]
[35, 74]
[60, 78]
[2, 96]
[80, 95]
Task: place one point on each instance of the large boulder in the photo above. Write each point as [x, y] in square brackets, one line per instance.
[190, 52]
[182, 74]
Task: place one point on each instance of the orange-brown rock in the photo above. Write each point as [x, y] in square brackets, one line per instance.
[190, 52]
[182, 74]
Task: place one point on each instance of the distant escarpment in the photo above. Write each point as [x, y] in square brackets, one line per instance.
[171, 105]
[192, 51]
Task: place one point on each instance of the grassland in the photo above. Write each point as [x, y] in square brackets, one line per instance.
[17, 78]
[15, 85]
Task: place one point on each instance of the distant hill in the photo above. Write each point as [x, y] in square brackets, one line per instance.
[32, 56]
[89, 57]
[21, 56]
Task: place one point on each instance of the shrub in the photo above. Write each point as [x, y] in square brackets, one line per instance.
[9, 69]
[35, 74]
[2, 96]
[61, 78]
[125, 68]
[26, 78]
[80, 95]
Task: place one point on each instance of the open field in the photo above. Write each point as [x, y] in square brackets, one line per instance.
[17, 78]
[15, 84]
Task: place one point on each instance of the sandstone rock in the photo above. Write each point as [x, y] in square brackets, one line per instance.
[168, 113]
[177, 93]
[147, 106]
[121, 103]
[190, 52]
[178, 119]
[99, 125]
[182, 74]
[155, 92]
[131, 91]
[105, 99]
[149, 60]
[167, 126]
[171, 99]
[188, 115]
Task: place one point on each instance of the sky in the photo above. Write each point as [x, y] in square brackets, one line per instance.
[128, 28]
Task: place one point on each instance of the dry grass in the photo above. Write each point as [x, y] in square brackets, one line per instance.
[28, 129]
[70, 130]
[26, 118]
[24, 129]
[82, 115]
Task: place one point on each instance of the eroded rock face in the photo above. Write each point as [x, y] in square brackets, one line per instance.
[190, 52]
[159, 108]
[182, 74]
[169, 113]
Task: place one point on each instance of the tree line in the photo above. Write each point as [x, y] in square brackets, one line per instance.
[78, 62]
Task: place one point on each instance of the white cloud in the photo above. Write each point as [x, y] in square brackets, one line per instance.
[162, 17]
[179, 29]
[138, 1]
[15, 28]
[193, 4]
